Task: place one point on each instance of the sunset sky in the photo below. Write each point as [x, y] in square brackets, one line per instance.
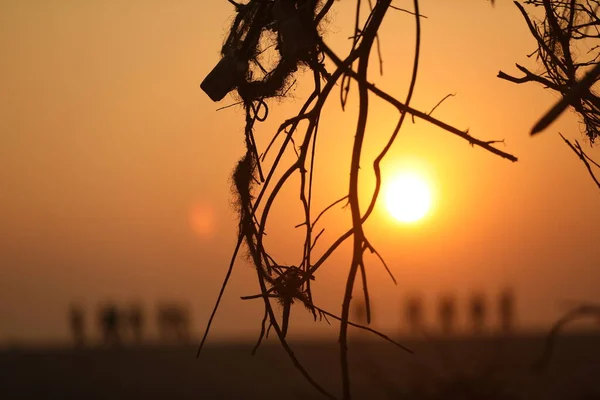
[115, 167]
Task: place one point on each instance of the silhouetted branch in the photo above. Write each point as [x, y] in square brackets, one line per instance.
[368, 36]
[219, 297]
[326, 313]
[566, 70]
[406, 11]
[440, 102]
[529, 77]
[255, 82]
[315, 241]
[262, 332]
[583, 157]
[366, 328]
[373, 250]
[577, 313]
[571, 97]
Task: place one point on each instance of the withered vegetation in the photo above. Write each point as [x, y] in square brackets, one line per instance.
[292, 30]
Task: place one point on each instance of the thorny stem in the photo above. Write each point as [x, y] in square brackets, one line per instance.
[419, 114]
[368, 37]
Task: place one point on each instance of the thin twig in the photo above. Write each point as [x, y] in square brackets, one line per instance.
[407, 11]
[579, 312]
[583, 157]
[440, 102]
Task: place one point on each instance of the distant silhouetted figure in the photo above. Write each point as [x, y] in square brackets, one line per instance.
[136, 323]
[506, 310]
[447, 313]
[76, 324]
[173, 323]
[478, 312]
[110, 325]
[413, 314]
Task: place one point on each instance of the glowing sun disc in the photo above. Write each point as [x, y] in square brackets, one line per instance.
[408, 198]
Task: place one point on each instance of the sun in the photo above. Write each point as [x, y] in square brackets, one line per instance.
[408, 197]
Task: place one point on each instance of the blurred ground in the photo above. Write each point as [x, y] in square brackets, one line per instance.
[460, 368]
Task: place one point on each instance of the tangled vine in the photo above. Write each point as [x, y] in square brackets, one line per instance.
[292, 29]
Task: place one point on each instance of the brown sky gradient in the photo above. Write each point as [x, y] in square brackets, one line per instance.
[114, 167]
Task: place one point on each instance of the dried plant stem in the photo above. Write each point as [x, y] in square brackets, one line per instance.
[368, 36]
[585, 159]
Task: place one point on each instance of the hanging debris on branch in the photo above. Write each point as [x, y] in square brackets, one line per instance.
[288, 26]
[291, 31]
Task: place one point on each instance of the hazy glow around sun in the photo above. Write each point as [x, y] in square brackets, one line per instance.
[408, 197]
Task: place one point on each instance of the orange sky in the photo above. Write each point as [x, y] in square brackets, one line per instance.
[115, 166]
